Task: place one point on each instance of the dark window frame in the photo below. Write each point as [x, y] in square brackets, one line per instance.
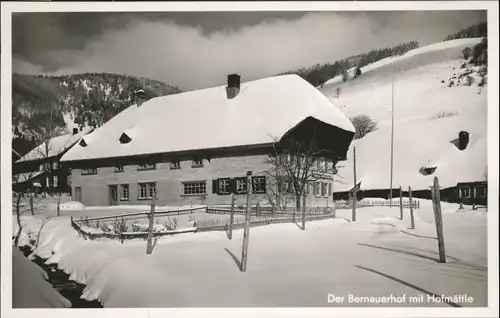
[244, 179]
[254, 185]
[228, 185]
[199, 182]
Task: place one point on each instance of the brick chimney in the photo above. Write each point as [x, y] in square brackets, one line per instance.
[75, 131]
[463, 140]
[233, 86]
[140, 97]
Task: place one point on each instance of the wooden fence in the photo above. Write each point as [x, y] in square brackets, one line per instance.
[125, 235]
[344, 204]
[140, 215]
[266, 210]
[221, 224]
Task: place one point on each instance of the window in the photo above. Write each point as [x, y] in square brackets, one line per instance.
[323, 189]
[307, 187]
[45, 167]
[125, 192]
[197, 163]
[176, 164]
[480, 191]
[147, 190]
[329, 189]
[118, 168]
[318, 164]
[146, 166]
[224, 186]
[259, 184]
[465, 192]
[56, 181]
[54, 165]
[125, 139]
[89, 171]
[194, 188]
[316, 188]
[241, 185]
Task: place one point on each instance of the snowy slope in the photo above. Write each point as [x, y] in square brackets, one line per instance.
[30, 288]
[375, 256]
[418, 91]
[419, 140]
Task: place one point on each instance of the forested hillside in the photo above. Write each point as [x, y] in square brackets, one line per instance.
[88, 99]
[319, 74]
[474, 31]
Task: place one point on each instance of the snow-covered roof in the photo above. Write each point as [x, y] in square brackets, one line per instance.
[57, 145]
[206, 118]
[419, 143]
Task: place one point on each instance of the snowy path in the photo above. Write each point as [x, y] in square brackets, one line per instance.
[375, 256]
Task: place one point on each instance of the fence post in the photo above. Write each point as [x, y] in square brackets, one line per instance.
[246, 232]
[412, 218]
[31, 206]
[354, 192]
[401, 202]
[231, 218]
[149, 248]
[438, 217]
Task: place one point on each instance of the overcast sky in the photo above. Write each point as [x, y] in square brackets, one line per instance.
[198, 49]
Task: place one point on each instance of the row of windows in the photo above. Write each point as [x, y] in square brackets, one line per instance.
[475, 192]
[47, 166]
[238, 185]
[319, 164]
[173, 166]
[145, 191]
[317, 188]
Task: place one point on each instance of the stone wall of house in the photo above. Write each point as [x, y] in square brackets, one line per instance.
[169, 183]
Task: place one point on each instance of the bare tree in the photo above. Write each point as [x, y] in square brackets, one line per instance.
[298, 168]
[364, 125]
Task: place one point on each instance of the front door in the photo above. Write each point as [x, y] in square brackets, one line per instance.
[78, 194]
[113, 194]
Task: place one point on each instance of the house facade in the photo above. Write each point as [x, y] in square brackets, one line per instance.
[203, 159]
[40, 171]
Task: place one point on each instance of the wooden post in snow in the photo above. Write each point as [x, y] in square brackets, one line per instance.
[231, 218]
[149, 248]
[354, 191]
[246, 232]
[438, 217]
[412, 217]
[400, 202]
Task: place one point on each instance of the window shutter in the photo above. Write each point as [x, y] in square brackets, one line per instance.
[215, 186]
[264, 185]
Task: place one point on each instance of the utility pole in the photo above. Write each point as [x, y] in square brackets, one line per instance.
[392, 145]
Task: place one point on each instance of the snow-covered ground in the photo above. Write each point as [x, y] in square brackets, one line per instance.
[30, 288]
[420, 140]
[376, 256]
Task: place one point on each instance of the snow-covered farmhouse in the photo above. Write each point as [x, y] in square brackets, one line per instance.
[196, 147]
[39, 170]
